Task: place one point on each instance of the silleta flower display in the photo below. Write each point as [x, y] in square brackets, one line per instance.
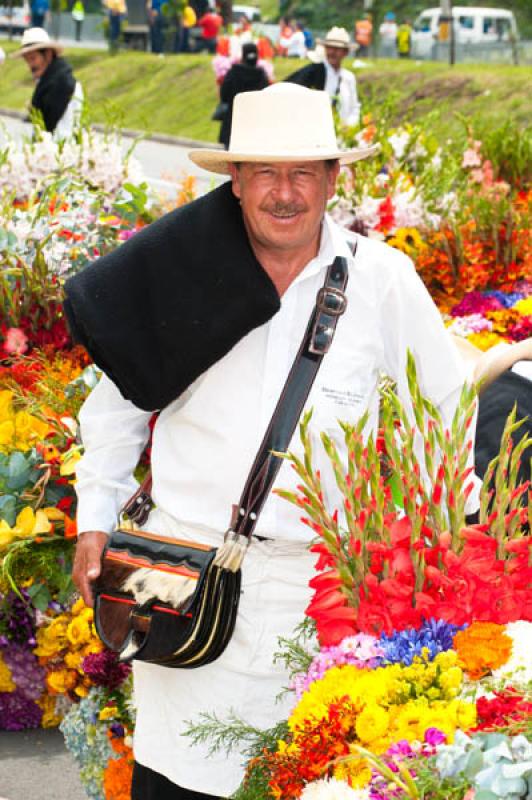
[411, 675]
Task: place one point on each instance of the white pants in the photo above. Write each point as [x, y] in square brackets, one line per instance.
[243, 681]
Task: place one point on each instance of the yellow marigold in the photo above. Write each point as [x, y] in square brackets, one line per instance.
[51, 639]
[78, 607]
[481, 648]
[371, 723]
[73, 660]
[109, 712]
[485, 339]
[6, 680]
[79, 632]
[524, 306]
[355, 771]
[61, 681]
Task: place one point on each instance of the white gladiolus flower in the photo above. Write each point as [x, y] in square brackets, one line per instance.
[331, 789]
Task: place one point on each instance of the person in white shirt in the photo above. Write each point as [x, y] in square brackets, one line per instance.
[283, 161]
[388, 36]
[326, 72]
[294, 45]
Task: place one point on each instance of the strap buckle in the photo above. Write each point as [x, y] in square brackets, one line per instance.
[331, 301]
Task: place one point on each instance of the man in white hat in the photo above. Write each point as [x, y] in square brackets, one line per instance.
[283, 162]
[57, 95]
[326, 72]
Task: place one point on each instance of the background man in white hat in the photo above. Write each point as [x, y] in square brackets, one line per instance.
[283, 161]
[57, 94]
[326, 72]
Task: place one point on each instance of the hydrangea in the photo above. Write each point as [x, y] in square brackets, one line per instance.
[433, 637]
[86, 738]
[506, 299]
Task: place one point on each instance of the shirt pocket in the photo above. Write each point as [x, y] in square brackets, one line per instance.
[344, 389]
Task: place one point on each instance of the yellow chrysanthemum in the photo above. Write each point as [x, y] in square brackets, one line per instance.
[6, 680]
[371, 723]
[485, 339]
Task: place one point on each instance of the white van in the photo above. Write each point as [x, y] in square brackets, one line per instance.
[472, 25]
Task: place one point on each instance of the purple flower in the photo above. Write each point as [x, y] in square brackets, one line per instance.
[476, 303]
[26, 672]
[18, 712]
[104, 669]
[434, 737]
[507, 299]
[17, 618]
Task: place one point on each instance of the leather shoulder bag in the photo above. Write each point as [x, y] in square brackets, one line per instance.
[174, 603]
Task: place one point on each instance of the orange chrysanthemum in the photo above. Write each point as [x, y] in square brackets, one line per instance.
[481, 648]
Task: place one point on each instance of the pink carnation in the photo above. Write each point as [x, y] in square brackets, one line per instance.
[16, 342]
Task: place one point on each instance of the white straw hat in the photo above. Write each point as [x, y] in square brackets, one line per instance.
[36, 39]
[284, 122]
[336, 37]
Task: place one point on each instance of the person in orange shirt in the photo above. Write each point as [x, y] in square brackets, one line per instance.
[363, 35]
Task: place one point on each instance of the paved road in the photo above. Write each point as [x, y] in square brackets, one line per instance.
[164, 163]
[35, 765]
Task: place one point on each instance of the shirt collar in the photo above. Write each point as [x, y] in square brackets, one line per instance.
[333, 242]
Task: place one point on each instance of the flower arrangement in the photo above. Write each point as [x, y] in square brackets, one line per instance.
[415, 685]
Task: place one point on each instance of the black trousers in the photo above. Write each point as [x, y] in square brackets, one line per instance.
[150, 785]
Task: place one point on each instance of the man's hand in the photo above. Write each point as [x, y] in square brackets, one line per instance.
[87, 562]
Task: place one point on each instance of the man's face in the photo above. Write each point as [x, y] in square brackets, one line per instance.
[335, 56]
[38, 62]
[283, 203]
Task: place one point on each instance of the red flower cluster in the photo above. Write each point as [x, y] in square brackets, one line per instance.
[474, 584]
[507, 707]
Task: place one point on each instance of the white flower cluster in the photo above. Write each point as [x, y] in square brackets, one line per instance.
[519, 665]
[331, 789]
[102, 161]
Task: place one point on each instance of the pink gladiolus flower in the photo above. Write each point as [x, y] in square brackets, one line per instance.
[16, 342]
[471, 158]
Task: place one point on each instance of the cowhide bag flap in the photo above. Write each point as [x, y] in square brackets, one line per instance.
[173, 602]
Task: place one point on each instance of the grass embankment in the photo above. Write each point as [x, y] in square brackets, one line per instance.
[177, 94]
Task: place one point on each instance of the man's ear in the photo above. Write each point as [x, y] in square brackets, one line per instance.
[235, 179]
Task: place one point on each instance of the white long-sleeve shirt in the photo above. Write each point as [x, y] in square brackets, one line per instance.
[205, 441]
[342, 84]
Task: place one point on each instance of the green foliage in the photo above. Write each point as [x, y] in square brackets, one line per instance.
[17, 472]
[147, 88]
[49, 563]
[225, 735]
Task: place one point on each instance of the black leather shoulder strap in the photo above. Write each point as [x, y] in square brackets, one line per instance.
[331, 303]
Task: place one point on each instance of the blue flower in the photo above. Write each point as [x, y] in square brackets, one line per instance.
[433, 637]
